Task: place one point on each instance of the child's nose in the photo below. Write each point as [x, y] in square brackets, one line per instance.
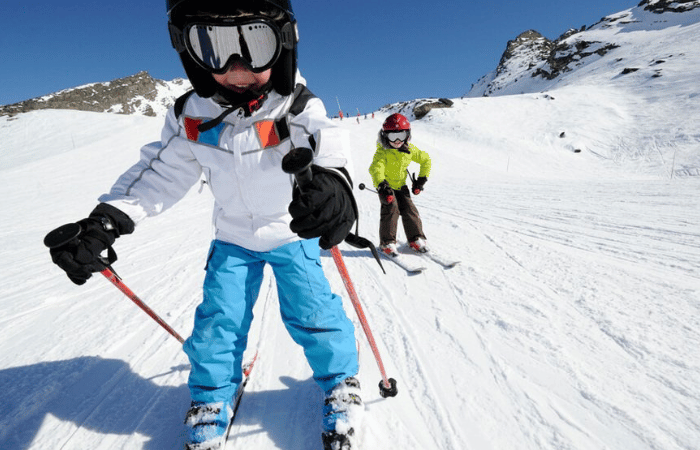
[238, 73]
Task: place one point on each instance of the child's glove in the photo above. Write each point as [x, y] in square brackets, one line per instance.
[418, 185]
[386, 193]
[324, 209]
[81, 257]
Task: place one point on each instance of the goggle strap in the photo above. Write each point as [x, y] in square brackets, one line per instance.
[177, 38]
[289, 35]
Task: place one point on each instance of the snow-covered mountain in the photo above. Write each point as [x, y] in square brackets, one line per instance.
[629, 74]
[138, 94]
[571, 323]
[636, 41]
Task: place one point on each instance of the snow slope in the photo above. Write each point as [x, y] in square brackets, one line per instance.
[573, 321]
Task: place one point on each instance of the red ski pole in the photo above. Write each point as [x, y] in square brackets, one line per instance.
[387, 387]
[298, 162]
[115, 280]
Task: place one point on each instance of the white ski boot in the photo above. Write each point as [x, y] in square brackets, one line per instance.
[342, 415]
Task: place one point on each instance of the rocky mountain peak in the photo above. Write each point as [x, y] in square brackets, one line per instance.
[532, 63]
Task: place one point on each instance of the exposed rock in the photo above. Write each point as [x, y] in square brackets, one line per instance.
[416, 109]
[564, 54]
[662, 6]
[137, 93]
[421, 110]
[531, 41]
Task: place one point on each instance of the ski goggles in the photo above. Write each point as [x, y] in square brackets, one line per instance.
[257, 42]
[394, 136]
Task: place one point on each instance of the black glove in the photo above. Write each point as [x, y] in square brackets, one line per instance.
[324, 209]
[386, 193]
[418, 185]
[80, 257]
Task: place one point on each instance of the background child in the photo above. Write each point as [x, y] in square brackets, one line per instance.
[248, 109]
[389, 170]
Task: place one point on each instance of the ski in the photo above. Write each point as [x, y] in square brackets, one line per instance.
[440, 259]
[220, 442]
[247, 368]
[402, 262]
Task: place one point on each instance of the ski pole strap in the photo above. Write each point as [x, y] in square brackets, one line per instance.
[111, 257]
[412, 176]
[360, 242]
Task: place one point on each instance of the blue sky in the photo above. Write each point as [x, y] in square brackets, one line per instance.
[363, 54]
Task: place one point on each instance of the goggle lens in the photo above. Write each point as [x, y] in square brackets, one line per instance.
[256, 43]
[394, 136]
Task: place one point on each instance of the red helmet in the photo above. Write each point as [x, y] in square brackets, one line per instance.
[396, 122]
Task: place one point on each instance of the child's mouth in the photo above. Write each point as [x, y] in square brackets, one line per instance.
[239, 89]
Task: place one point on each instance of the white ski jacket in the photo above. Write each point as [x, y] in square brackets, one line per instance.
[241, 159]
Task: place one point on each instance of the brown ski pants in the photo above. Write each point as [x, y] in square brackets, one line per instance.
[389, 217]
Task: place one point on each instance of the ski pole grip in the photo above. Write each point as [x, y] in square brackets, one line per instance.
[298, 163]
[63, 235]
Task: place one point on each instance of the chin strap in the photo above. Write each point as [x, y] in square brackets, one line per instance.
[249, 108]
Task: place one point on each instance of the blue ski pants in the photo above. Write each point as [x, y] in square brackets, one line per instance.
[312, 314]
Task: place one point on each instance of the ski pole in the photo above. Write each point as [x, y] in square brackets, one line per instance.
[68, 234]
[298, 162]
[117, 281]
[387, 387]
[389, 198]
[362, 187]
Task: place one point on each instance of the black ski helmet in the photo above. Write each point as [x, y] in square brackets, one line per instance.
[283, 71]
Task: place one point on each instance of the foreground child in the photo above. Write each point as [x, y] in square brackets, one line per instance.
[249, 108]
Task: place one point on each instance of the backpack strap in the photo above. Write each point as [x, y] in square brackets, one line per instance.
[301, 95]
[180, 103]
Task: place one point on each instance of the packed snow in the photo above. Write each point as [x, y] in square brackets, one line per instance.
[572, 322]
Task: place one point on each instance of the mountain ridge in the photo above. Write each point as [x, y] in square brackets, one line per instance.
[138, 94]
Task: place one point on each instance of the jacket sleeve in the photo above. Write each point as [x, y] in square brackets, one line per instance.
[164, 174]
[377, 170]
[423, 159]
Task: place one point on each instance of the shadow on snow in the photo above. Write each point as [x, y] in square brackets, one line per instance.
[107, 397]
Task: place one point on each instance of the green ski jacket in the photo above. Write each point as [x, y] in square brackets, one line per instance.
[390, 164]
